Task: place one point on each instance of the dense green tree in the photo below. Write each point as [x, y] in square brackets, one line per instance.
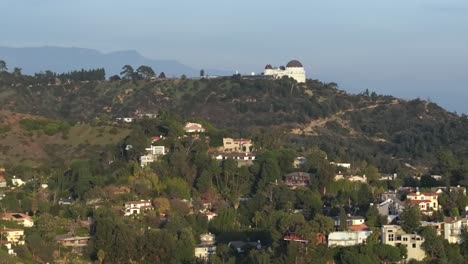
[146, 72]
[410, 219]
[127, 72]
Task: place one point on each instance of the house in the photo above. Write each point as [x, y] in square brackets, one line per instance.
[426, 201]
[209, 215]
[297, 179]
[388, 177]
[73, 241]
[295, 238]
[206, 248]
[354, 223]
[65, 201]
[3, 182]
[243, 159]
[440, 190]
[348, 238]
[299, 162]
[13, 235]
[152, 155]
[22, 219]
[237, 145]
[193, 128]
[125, 119]
[356, 178]
[391, 206]
[137, 207]
[344, 165]
[451, 228]
[17, 182]
[394, 235]
[241, 246]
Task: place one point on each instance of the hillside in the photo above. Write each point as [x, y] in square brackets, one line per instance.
[380, 129]
[20, 145]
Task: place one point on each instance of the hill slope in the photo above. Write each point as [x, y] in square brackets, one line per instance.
[20, 145]
[380, 129]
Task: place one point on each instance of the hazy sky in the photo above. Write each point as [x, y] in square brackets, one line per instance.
[407, 48]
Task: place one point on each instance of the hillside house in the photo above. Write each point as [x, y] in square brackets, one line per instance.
[152, 155]
[237, 145]
[299, 162]
[426, 201]
[137, 207]
[340, 164]
[242, 246]
[394, 235]
[13, 235]
[243, 159]
[354, 223]
[65, 201]
[73, 241]
[22, 219]
[193, 128]
[347, 238]
[451, 228]
[17, 182]
[442, 189]
[207, 247]
[298, 179]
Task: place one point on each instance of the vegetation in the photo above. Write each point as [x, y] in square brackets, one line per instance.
[62, 139]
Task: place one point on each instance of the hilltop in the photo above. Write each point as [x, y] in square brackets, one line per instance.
[378, 128]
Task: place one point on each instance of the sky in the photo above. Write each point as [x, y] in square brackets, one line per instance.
[406, 48]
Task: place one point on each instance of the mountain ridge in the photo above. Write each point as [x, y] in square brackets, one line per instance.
[64, 59]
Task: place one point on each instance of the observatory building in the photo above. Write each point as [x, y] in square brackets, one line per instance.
[293, 69]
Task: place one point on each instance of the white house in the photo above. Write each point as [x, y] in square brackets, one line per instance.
[294, 69]
[394, 235]
[137, 207]
[193, 128]
[152, 155]
[17, 182]
[347, 238]
[207, 247]
[426, 201]
[13, 235]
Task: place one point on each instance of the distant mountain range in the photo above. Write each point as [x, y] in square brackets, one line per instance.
[61, 59]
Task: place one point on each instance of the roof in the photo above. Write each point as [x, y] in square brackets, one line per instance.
[360, 227]
[16, 216]
[138, 202]
[12, 230]
[299, 174]
[294, 64]
[417, 201]
[423, 193]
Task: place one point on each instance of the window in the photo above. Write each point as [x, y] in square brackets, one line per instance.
[414, 245]
[391, 237]
[422, 197]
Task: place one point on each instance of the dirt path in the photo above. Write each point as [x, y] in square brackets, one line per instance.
[310, 128]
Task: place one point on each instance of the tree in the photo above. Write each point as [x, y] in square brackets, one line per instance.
[343, 220]
[101, 255]
[202, 73]
[114, 78]
[127, 72]
[17, 71]
[411, 218]
[146, 72]
[3, 66]
[433, 244]
[162, 75]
